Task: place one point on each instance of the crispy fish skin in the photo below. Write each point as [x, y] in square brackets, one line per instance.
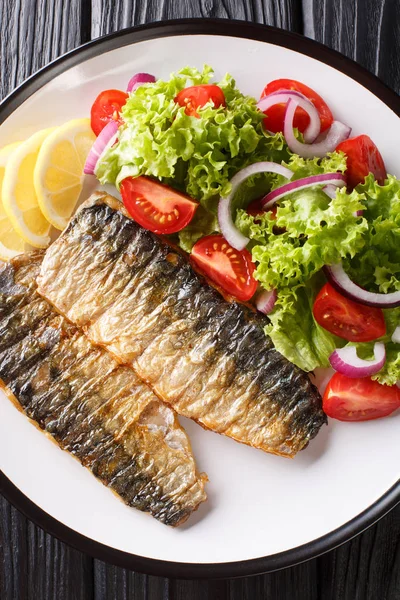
[210, 359]
[92, 406]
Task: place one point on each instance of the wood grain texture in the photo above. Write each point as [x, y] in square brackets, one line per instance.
[108, 17]
[367, 568]
[112, 582]
[35, 32]
[367, 31]
[35, 566]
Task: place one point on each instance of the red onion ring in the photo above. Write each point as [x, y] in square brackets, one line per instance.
[105, 139]
[346, 361]
[330, 190]
[265, 301]
[232, 235]
[334, 179]
[342, 282]
[337, 133]
[138, 80]
[282, 97]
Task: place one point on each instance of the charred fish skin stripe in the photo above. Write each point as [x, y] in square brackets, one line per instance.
[93, 407]
[207, 357]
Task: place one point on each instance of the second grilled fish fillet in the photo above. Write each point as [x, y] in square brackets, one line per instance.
[208, 358]
[93, 407]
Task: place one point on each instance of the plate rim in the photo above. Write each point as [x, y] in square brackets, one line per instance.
[174, 28]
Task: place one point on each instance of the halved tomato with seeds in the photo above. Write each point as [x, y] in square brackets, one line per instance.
[363, 157]
[229, 268]
[107, 107]
[156, 206]
[276, 114]
[196, 96]
[359, 399]
[347, 319]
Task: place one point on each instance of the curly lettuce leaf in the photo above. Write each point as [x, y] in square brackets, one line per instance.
[313, 231]
[197, 155]
[294, 331]
[377, 266]
[390, 372]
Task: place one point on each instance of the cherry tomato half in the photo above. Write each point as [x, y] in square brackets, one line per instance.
[197, 96]
[363, 157]
[229, 268]
[360, 399]
[106, 107]
[155, 206]
[347, 319]
[276, 114]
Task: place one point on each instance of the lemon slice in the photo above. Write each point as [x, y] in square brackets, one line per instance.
[11, 244]
[59, 170]
[18, 193]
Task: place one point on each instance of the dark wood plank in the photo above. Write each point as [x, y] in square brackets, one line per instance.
[366, 30]
[111, 16]
[35, 32]
[112, 582]
[297, 583]
[36, 566]
[367, 568]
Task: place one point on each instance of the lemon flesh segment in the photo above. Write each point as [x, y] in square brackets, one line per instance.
[59, 173]
[18, 192]
[11, 244]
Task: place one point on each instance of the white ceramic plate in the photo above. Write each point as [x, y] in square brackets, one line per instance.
[263, 512]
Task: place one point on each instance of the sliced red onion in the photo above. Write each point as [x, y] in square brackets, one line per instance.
[396, 335]
[265, 301]
[104, 140]
[346, 361]
[232, 235]
[282, 97]
[330, 190]
[342, 282]
[228, 229]
[337, 133]
[334, 179]
[138, 80]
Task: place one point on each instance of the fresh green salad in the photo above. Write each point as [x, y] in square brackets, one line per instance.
[279, 206]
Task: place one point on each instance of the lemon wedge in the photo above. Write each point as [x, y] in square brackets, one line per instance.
[59, 176]
[18, 192]
[11, 244]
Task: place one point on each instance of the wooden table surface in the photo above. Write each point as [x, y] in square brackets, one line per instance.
[34, 565]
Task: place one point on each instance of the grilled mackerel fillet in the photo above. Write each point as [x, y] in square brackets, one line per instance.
[93, 407]
[208, 358]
